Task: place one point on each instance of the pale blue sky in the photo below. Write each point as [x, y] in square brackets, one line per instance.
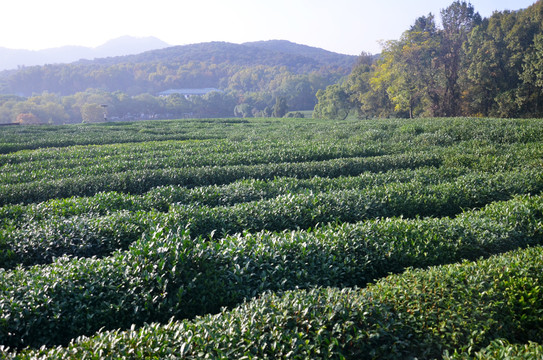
[345, 26]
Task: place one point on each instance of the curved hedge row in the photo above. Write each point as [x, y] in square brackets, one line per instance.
[84, 236]
[40, 242]
[140, 181]
[162, 197]
[169, 274]
[60, 136]
[212, 152]
[419, 314]
[95, 161]
[149, 157]
[441, 131]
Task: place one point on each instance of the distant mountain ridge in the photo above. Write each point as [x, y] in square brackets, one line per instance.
[270, 52]
[250, 67]
[287, 47]
[125, 45]
[255, 76]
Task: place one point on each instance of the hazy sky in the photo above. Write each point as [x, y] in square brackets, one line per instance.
[345, 26]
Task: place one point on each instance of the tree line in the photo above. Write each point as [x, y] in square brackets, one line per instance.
[248, 91]
[468, 66]
[97, 105]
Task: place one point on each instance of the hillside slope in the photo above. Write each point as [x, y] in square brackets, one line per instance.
[214, 64]
[321, 55]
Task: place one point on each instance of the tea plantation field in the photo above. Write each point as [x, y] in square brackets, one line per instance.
[272, 238]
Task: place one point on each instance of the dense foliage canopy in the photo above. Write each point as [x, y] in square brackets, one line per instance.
[469, 66]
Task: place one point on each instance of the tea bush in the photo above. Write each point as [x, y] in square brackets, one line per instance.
[140, 181]
[168, 274]
[236, 238]
[421, 314]
[87, 235]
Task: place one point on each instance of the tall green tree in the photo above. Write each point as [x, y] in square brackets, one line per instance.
[413, 89]
[531, 92]
[361, 95]
[470, 66]
[458, 20]
[502, 64]
[280, 108]
[333, 103]
[485, 50]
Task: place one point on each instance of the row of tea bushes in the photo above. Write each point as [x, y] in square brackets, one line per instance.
[422, 314]
[440, 131]
[168, 275]
[88, 235]
[81, 236]
[25, 165]
[150, 156]
[14, 139]
[211, 152]
[161, 198]
[94, 161]
[141, 181]
[136, 169]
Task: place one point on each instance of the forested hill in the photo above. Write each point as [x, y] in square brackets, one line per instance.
[296, 57]
[250, 67]
[322, 56]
